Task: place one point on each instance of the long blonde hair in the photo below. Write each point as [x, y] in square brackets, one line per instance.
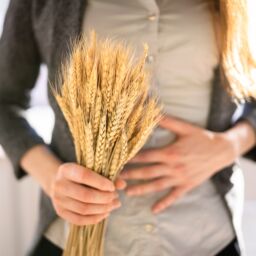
[236, 58]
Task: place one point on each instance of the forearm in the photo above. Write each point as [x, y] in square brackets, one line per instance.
[42, 165]
[241, 137]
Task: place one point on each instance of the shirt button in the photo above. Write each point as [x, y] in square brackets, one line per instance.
[152, 17]
[149, 228]
[150, 59]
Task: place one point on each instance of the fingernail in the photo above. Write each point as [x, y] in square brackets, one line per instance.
[129, 192]
[124, 183]
[156, 210]
[117, 205]
[116, 202]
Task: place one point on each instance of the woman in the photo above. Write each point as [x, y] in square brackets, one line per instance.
[186, 204]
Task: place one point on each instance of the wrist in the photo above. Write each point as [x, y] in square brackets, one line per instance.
[42, 165]
[230, 147]
[50, 175]
[241, 138]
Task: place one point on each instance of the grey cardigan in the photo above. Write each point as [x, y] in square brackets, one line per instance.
[37, 32]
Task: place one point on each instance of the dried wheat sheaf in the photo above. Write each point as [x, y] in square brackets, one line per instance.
[104, 97]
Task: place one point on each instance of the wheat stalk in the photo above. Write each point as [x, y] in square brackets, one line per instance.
[103, 95]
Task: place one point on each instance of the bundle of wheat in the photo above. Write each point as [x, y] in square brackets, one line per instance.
[104, 96]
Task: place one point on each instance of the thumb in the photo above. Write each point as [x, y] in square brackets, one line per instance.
[176, 125]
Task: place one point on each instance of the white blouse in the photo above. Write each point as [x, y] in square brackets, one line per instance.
[182, 56]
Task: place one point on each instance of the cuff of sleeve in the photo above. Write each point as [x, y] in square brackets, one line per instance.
[15, 152]
[251, 119]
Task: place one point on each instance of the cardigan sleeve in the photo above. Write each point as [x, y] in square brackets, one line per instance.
[249, 115]
[19, 67]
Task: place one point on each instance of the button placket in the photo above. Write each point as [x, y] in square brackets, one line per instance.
[152, 16]
[153, 25]
[149, 228]
[150, 59]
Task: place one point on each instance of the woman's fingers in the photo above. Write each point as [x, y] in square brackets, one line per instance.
[81, 196]
[82, 175]
[84, 194]
[78, 219]
[170, 198]
[146, 172]
[150, 156]
[150, 187]
[86, 208]
[120, 184]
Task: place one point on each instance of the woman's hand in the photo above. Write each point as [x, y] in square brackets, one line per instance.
[82, 196]
[194, 157]
[79, 195]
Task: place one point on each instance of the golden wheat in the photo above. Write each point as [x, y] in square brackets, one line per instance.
[103, 93]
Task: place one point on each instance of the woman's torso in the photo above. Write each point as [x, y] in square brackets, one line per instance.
[182, 58]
